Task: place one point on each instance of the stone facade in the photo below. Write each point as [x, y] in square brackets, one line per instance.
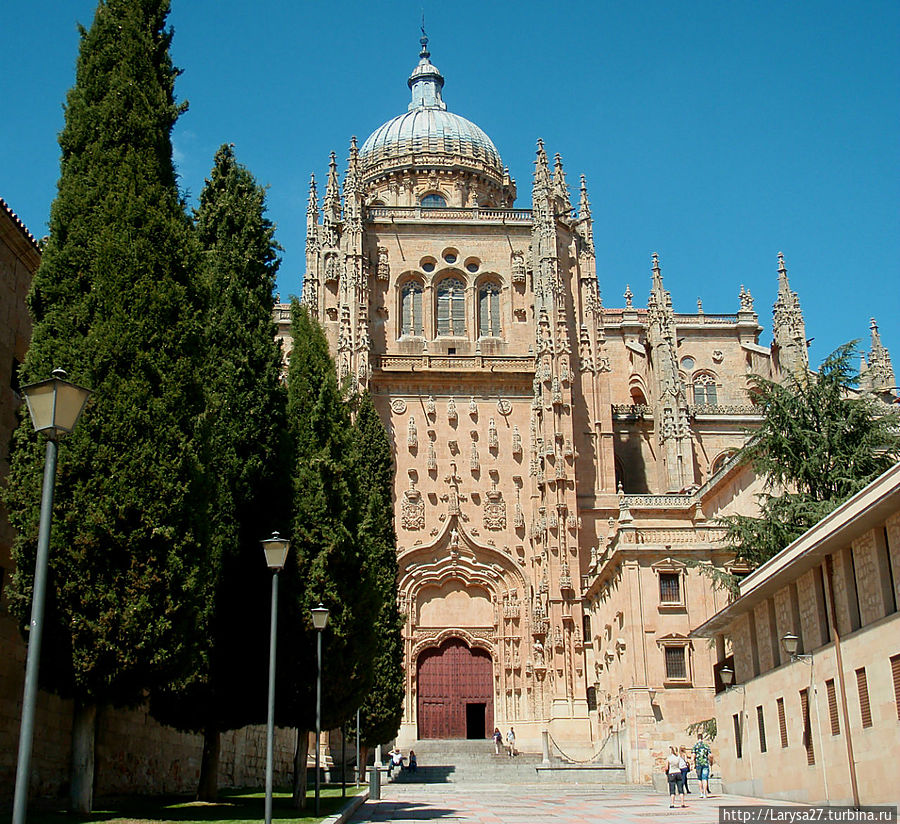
[556, 459]
[822, 727]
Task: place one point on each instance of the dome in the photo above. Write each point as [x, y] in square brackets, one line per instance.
[428, 128]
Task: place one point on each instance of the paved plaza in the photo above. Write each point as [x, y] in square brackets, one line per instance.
[533, 804]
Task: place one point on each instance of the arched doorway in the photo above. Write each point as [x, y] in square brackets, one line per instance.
[455, 692]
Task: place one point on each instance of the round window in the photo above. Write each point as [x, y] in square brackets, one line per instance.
[687, 363]
[450, 257]
[428, 266]
[472, 267]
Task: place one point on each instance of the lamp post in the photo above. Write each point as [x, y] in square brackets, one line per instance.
[320, 620]
[55, 406]
[791, 643]
[276, 549]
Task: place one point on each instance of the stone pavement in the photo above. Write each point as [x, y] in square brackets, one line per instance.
[545, 804]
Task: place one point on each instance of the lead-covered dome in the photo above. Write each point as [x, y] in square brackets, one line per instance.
[427, 134]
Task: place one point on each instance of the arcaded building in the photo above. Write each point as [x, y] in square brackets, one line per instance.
[558, 462]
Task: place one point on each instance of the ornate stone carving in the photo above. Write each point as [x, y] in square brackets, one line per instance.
[430, 408]
[473, 407]
[504, 407]
[452, 414]
[474, 461]
[431, 457]
[493, 442]
[384, 266]
[398, 406]
[412, 508]
[412, 438]
[494, 508]
[516, 443]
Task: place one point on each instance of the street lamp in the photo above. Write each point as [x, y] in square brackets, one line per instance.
[55, 406]
[276, 549]
[320, 620]
[791, 643]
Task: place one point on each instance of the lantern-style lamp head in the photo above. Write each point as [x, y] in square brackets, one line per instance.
[320, 617]
[276, 549]
[55, 404]
[727, 676]
[791, 643]
[651, 694]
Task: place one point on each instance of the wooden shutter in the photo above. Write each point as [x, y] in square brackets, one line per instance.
[761, 725]
[406, 319]
[863, 687]
[832, 707]
[782, 724]
[418, 327]
[807, 727]
[458, 310]
[738, 744]
[443, 308]
[895, 673]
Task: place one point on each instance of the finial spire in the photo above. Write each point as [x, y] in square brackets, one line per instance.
[423, 40]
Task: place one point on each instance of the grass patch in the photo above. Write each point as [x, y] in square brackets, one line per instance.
[233, 807]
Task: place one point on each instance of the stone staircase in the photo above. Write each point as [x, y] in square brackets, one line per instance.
[474, 762]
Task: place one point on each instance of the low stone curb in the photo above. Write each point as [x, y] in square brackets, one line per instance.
[349, 808]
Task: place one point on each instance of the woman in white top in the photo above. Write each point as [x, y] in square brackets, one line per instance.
[674, 765]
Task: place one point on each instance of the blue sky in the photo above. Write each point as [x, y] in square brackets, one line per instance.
[714, 133]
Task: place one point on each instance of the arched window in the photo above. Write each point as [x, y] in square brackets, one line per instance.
[720, 461]
[489, 310]
[411, 309]
[705, 390]
[433, 201]
[451, 307]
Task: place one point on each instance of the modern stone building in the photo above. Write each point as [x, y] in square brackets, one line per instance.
[821, 724]
[558, 462]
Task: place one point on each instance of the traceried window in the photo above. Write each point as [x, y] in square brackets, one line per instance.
[489, 310]
[451, 308]
[433, 201]
[705, 390]
[411, 309]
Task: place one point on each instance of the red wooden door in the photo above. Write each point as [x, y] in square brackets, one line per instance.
[449, 678]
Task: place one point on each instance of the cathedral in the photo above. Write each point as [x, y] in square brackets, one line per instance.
[559, 463]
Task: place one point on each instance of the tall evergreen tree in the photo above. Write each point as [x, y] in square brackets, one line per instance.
[240, 435]
[327, 562]
[115, 302]
[819, 443]
[382, 709]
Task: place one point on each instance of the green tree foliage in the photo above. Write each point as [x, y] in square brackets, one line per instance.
[383, 707]
[327, 562]
[116, 303]
[819, 443]
[240, 434]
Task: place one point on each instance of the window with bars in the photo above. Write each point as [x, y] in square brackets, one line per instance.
[738, 744]
[807, 727]
[676, 663]
[832, 707]
[862, 686]
[705, 390]
[782, 722]
[489, 310]
[761, 726]
[433, 201]
[411, 309]
[592, 699]
[895, 674]
[451, 308]
[670, 587]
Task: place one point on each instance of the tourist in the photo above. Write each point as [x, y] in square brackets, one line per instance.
[685, 769]
[701, 764]
[395, 760]
[413, 764]
[511, 742]
[498, 740]
[673, 774]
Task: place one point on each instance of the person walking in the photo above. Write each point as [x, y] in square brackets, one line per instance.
[498, 740]
[701, 764]
[511, 742]
[673, 774]
[685, 770]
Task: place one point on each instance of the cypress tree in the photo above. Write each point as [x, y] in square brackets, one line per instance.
[382, 709]
[115, 303]
[819, 443]
[327, 563]
[240, 435]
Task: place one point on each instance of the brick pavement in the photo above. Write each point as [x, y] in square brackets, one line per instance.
[544, 804]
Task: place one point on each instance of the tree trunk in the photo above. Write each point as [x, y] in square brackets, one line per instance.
[84, 725]
[363, 758]
[208, 788]
[300, 758]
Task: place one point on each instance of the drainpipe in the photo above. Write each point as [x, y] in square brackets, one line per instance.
[839, 662]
